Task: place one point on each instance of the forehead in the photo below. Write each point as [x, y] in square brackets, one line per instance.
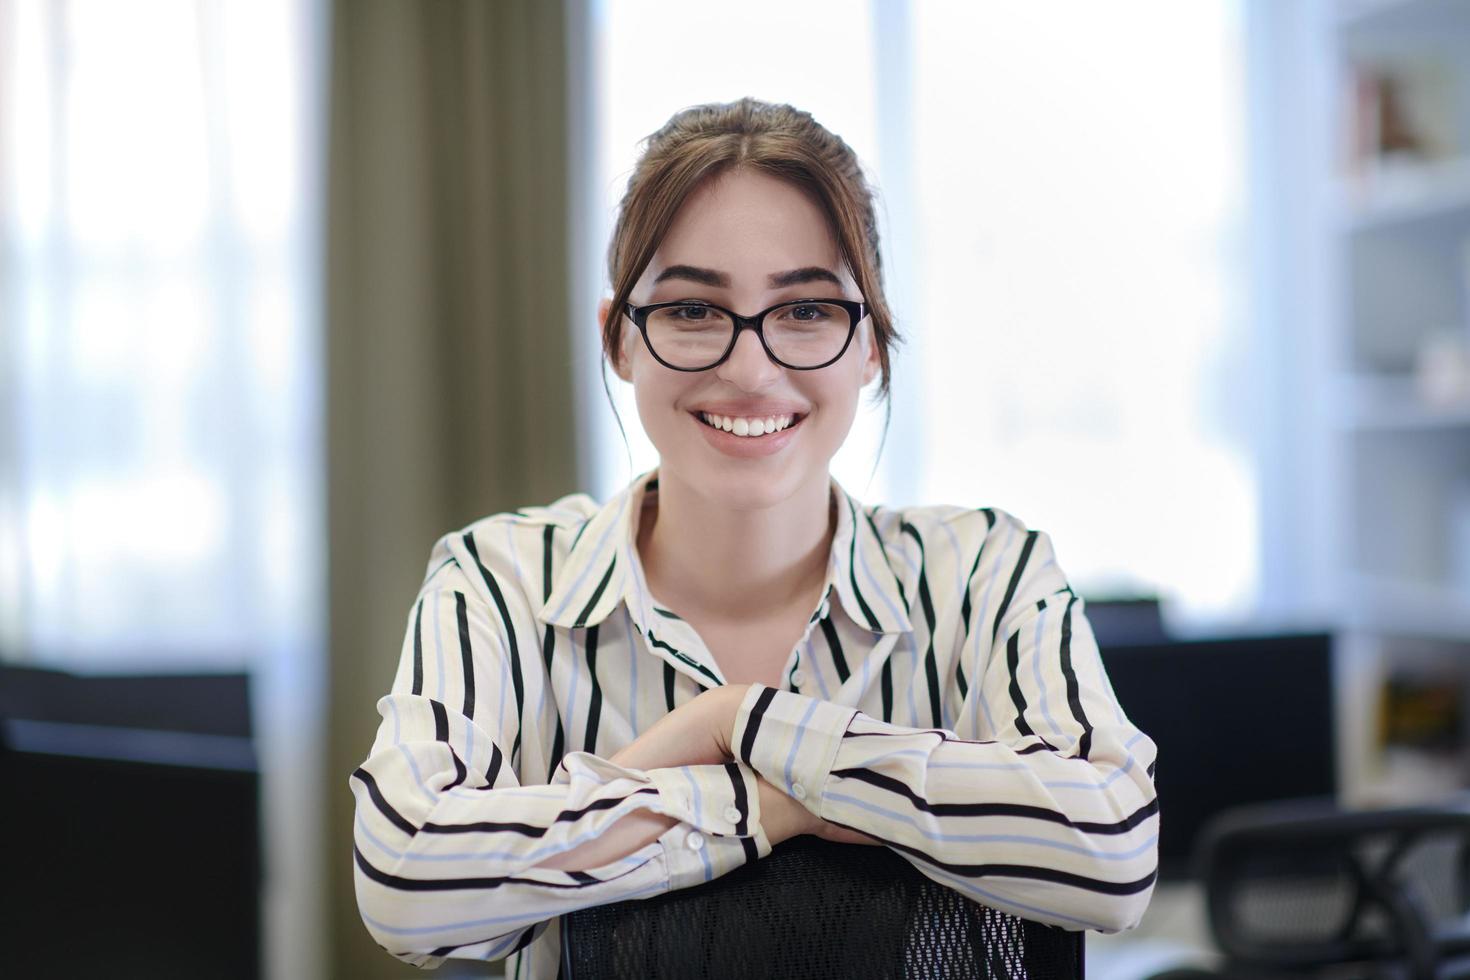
[748, 224]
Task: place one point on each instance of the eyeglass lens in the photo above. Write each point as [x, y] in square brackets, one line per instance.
[801, 334]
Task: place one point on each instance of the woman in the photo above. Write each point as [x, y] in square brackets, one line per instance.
[597, 703]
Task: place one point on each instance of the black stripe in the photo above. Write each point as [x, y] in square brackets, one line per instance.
[492, 772]
[525, 829]
[548, 650]
[742, 801]
[886, 682]
[594, 704]
[1013, 583]
[466, 654]
[668, 684]
[891, 570]
[1024, 871]
[667, 614]
[753, 722]
[931, 662]
[578, 537]
[381, 802]
[791, 674]
[873, 623]
[1074, 697]
[558, 748]
[460, 772]
[510, 637]
[459, 884]
[596, 594]
[1151, 766]
[835, 646]
[1013, 660]
[441, 721]
[683, 657]
[1026, 811]
[418, 648]
[528, 933]
[959, 677]
[439, 568]
[584, 877]
[965, 606]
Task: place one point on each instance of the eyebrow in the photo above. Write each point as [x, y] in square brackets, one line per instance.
[776, 280]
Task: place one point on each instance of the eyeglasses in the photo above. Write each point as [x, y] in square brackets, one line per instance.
[802, 334]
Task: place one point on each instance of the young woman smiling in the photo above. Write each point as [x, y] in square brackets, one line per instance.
[601, 702]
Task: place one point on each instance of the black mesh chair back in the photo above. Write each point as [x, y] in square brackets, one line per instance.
[815, 910]
[1303, 886]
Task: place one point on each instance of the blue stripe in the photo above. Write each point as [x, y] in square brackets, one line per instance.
[589, 565]
[977, 682]
[438, 652]
[1044, 700]
[796, 742]
[709, 869]
[907, 818]
[492, 921]
[967, 886]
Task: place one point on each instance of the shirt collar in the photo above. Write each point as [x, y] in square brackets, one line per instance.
[602, 568]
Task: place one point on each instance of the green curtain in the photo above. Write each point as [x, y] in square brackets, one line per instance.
[449, 360]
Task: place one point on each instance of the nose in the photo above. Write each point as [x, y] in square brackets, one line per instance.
[748, 366]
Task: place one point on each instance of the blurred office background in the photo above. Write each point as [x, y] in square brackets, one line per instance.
[289, 288]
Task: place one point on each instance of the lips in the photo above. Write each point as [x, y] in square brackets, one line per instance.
[748, 446]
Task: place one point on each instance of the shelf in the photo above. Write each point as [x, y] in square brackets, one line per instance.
[1392, 403]
[1420, 609]
[1402, 197]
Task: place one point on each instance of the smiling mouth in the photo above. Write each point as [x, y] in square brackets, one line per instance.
[749, 428]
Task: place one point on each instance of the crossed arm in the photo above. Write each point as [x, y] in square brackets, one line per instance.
[697, 732]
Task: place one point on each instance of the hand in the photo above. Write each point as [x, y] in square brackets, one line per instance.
[783, 817]
[695, 733]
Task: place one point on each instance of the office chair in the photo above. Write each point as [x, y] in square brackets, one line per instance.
[1305, 888]
[815, 910]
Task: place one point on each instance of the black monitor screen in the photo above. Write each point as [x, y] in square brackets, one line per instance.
[1239, 720]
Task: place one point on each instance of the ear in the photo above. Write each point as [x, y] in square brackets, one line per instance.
[619, 356]
[872, 365]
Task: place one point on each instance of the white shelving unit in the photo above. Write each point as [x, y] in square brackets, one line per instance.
[1395, 229]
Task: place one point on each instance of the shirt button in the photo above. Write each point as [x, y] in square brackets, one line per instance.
[732, 814]
[798, 791]
[797, 677]
[695, 840]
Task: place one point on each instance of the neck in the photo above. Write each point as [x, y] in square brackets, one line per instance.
[722, 565]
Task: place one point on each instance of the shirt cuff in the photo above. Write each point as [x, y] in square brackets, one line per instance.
[718, 807]
[790, 739]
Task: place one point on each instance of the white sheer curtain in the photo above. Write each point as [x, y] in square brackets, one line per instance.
[1062, 195]
[160, 484]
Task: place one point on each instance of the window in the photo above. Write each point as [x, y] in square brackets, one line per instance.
[1062, 211]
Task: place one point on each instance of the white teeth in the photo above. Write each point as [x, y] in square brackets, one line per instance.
[748, 427]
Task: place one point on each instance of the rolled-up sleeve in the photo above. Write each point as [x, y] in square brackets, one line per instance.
[1038, 801]
[447, 839]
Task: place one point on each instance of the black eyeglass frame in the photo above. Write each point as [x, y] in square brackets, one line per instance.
[855, 313]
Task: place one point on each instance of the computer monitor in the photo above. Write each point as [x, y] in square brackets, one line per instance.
[1236, 720]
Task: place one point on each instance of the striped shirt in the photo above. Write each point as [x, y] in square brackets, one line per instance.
[947, 697]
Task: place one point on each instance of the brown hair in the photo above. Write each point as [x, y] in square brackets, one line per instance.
[703, 141]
